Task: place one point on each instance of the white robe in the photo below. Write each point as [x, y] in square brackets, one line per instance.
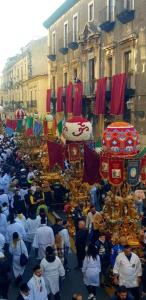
[4, 199]
[37, 289]
[128, 271]
[44, 237]
[2, 242]
[51, 273]
[3, 224]
[91, 269]
[15, 227]
[31, 228]
[16, 252]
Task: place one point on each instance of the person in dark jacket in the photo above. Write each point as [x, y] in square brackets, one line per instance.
[144, 279]
[81, 242]
[103, 247]
[58, 226]
[122, 294]
[24, 292]
[4, 276]
[78, 215]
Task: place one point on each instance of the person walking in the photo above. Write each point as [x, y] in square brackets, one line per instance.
[17, 248]
[80, 242]
[128, 271]
[122, 294]
[24, 292]
[4, 276]
[12, 227]
[91, 270]
[44, 237]
[66, 238]
[37, 285]
[52, 270]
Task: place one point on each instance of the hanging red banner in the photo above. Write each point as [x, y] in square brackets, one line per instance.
[74, 152]
[116, 171]
[143, 169]
[104, 167]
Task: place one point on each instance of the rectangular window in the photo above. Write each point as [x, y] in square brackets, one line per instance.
[129, 4]
[111, 10]
[91, 11]
[110, 66]
[65, 80]
[91, 75]
[127, 61]
[75, 28]
[53, 87]
[53, 42]
[65, 34]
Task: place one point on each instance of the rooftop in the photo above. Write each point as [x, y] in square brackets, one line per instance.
[59, 12]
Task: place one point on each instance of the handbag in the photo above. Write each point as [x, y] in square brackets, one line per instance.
[23, 258]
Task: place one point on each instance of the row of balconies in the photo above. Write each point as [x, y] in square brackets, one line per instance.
[89, 88]
[124, 11]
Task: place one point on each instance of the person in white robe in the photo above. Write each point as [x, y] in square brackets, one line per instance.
[6, 180]
[128, 271]
[52, 270]
[37, 285]
[14, 227]
[91, 270]
[44, 237]
[32, 224]
[16, 248]
[3, 223]
[2, 242]
[20, 218]
[3, 198]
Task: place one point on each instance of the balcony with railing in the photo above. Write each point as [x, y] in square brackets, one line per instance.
[125, 11]
[107, 18]
[63, 46]
[73, 40]
[129, 89]
[51, 54]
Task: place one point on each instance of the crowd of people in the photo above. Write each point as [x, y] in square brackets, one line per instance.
[26, 234]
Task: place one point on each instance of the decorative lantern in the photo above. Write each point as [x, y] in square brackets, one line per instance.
[19, 114]
[121, 139]
[77, 129]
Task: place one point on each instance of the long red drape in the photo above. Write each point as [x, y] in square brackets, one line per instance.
[117, 94]
[100, 96]
[56, 154]
[91, 166]
[77, 106]
[60, 99]
[48, 100]
[69, 98]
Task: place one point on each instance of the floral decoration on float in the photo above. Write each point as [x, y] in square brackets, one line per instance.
[77, 129]
[121, 139]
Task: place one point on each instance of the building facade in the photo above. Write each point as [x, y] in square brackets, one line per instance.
[25, 77]
[90, 39]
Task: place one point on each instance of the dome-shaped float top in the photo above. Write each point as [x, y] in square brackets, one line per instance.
[19, 114]
[77, 129]
[121, 139]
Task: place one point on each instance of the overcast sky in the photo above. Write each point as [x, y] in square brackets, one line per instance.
[20, 22]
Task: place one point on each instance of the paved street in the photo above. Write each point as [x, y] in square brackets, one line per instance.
[73, 283]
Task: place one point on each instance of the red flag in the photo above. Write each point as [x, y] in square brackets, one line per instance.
[60, 99]
[48, 100]
[11, 124]
[116, 171]
[100, 96]
[56, 154]
[69, 100]
[91, 166]
[77, 107]
[117, 94]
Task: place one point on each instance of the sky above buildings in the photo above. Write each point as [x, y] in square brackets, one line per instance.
[20, 22]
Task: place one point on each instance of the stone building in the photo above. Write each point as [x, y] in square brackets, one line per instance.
[25, 77]
[90, 39]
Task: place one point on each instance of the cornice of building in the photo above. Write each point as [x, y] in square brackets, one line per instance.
[59, 12]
